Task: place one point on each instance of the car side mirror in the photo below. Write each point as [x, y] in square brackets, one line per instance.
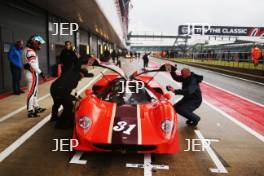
[89, 92]
[167, 96]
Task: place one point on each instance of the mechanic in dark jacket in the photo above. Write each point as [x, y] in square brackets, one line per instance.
[61, 93]
[192, 96]
[68, 57]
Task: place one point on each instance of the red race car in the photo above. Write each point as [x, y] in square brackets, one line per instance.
[126, 114]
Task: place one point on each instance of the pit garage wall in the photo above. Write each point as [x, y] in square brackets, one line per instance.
[108, 7]
[93, 45]
[19, 21]
[56, 43]
[84, 42]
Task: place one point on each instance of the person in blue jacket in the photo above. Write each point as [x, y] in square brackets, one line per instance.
[16, 65]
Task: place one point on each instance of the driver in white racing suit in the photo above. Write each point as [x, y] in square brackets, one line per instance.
[32, 70]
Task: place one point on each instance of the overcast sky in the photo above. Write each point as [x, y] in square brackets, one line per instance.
[165, 15]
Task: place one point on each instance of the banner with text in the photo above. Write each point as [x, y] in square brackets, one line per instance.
[220, 30]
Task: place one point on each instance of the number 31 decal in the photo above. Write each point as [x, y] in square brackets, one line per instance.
[122, 126]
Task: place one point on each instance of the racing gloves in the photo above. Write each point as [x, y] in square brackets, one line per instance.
[174, 68]
[85, 73]
[175, 91]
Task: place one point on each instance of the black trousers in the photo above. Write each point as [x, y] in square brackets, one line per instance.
[118, 63]
[16, 77]
[114, 59]
[145, 63]
[66, 101]
[185, 108]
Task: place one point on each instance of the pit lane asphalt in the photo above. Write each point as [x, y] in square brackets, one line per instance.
[240, 152]
[243, 88]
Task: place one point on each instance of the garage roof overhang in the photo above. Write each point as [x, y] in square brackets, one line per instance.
[84, 12]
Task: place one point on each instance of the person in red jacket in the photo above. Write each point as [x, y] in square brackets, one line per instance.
[255, 55]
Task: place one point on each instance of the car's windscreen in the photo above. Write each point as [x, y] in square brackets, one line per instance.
[123, 91]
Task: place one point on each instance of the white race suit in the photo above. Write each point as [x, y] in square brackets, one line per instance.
[31, 74]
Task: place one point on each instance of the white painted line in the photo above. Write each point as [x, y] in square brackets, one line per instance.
[160, 167]
[240, 124]
[227, 91]
[219, 166]
[11, 148]
[147, 166]
[230, 91]
[135, 165]
[243, 79]
[76, 159]
[7, 116]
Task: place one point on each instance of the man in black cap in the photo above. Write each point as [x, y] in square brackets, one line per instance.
[61, 92]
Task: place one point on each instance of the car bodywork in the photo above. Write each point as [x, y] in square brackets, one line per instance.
[143, 122]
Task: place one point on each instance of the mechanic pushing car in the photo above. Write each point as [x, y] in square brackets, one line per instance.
[61, 92]
[32, 70]
[192, 96]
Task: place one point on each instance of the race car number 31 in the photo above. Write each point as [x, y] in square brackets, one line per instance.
[124, 127]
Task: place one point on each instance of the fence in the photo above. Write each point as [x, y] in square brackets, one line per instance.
[228, 59]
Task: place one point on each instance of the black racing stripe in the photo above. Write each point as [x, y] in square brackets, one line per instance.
[128, 114]
[34, 86]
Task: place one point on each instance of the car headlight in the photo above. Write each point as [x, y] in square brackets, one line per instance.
[167, 126]
[85, 122]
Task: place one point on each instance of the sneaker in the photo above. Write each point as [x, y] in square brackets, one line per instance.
[40, 110]
[189, 122]
[54, 118]
[195, 122]
[32, 114]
